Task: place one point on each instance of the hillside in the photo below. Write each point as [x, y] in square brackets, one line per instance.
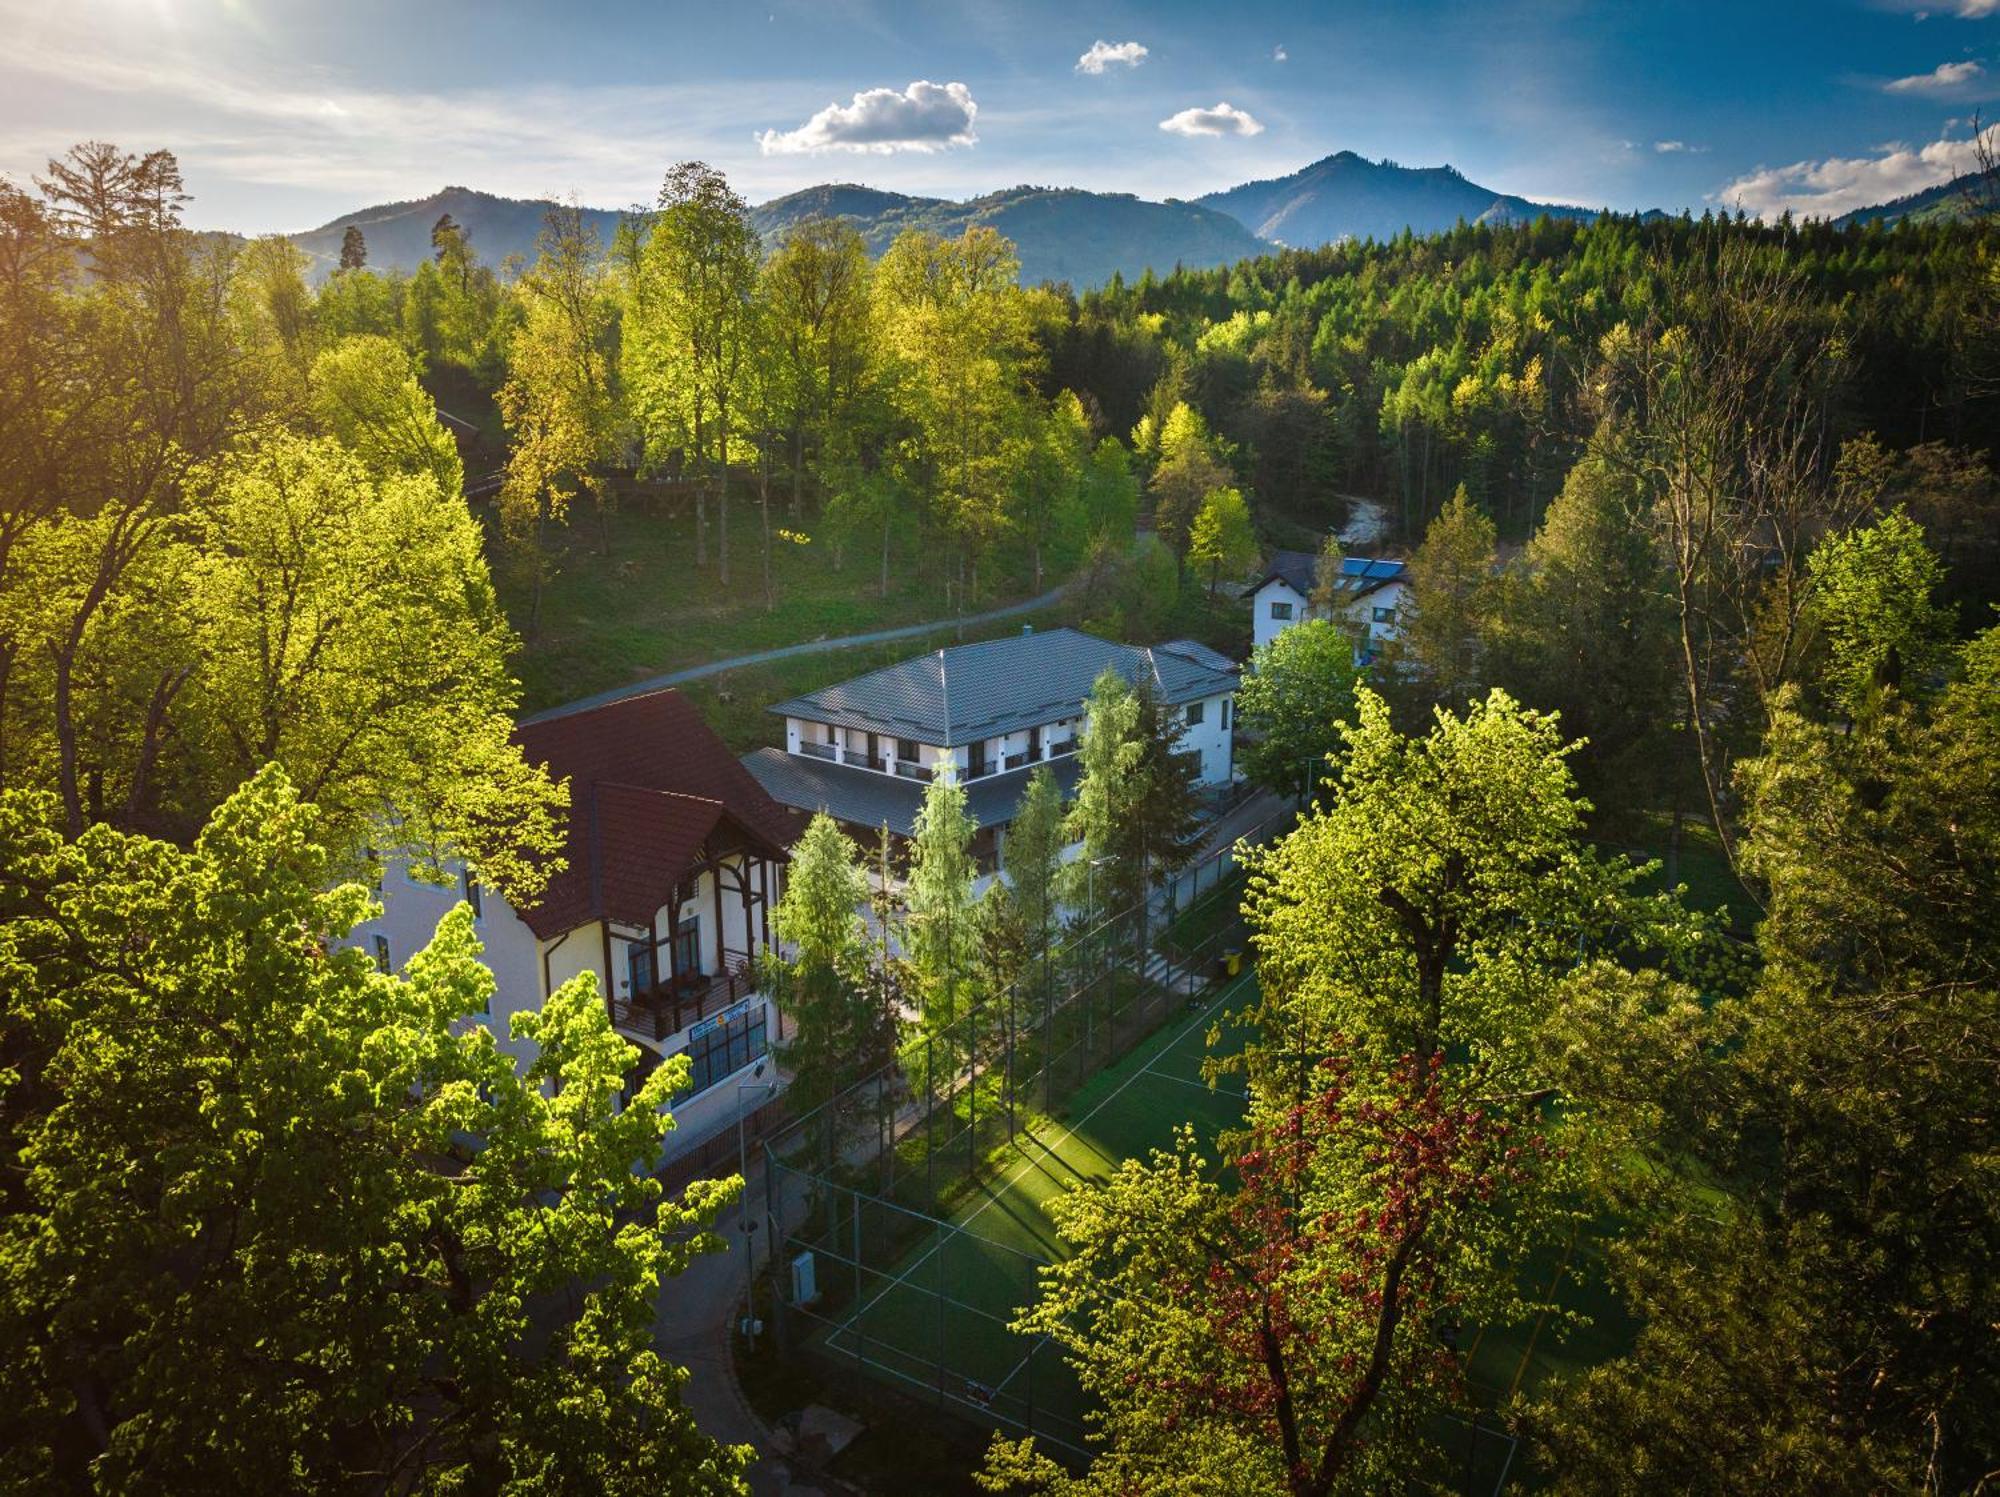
[1346, 197]
[399, 234]
[1948, 202]
[1062, 233]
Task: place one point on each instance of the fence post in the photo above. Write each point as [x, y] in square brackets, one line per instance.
[855, 1321]
[930, 1127]
[941, 1229]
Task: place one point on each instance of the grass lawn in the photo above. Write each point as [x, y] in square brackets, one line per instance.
[643, 608]
[1704, 868]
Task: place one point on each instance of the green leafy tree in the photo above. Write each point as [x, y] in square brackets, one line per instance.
[1293, 706]
[365, 393]
[1811, 1245]
[840, 1029]
[1222, 538]
[1032, 858]
[560, 401]
[688, 328]
[1584, 628]
[941, 936]
[1438, 657]
[816, 289]
[281, 1221]
[1111, 751]
[1191, 466]
[1874, 604]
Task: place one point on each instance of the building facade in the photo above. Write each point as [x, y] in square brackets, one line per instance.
[863, 750]
[1370, 594]
[674, 858]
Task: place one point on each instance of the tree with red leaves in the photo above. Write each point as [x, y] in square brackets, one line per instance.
[1278, 1329]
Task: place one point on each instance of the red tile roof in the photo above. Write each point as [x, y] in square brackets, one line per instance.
[649, 781]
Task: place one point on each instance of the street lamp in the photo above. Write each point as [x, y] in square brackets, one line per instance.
[743, 1204]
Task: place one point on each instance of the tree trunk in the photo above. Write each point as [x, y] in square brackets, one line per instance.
[722, 493]
[764, 510]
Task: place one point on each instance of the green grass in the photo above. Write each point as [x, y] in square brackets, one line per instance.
[612, 617]
[1703, 866]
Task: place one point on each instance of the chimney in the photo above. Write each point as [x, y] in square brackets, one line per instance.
[1027, 628]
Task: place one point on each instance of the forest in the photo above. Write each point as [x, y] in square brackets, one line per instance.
[1704, 543]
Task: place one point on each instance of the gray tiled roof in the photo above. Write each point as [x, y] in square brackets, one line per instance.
[953, 696]
[862, 797]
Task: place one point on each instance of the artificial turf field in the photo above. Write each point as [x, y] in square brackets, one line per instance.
[935, 1300]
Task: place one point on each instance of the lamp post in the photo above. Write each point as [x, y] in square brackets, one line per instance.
[743, 1206]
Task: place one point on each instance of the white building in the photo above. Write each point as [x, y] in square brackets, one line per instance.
[674, 855]
[864, 749]
[1371, 591]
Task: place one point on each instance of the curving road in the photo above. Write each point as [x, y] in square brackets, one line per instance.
[810, 647]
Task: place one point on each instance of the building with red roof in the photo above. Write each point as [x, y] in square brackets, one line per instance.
[670, 867]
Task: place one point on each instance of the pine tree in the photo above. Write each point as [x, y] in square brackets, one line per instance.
[353, 248]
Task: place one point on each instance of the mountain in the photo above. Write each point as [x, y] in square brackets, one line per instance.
[1946, 203]
[399, 234]
[1061, 233]
[1346, 197]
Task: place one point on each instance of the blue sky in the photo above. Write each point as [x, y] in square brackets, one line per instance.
[286, 113]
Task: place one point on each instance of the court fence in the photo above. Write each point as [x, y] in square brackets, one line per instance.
[870, 1271]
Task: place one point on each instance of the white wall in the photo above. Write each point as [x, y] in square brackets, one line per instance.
[1211, 739]
[412, 908]
[1263, 627]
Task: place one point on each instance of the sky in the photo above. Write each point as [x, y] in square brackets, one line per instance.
[286, 114]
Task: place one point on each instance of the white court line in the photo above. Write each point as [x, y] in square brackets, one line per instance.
[1068, 1132]
[1200, 1086]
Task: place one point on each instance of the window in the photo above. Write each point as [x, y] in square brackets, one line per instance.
[1196, 711]
[906, 750]
[639, 969]
[718, 1048]
[381, 953]
[687, 948]
[1280, 610]
[1385, 615]
[1225, 714]
[472, 894]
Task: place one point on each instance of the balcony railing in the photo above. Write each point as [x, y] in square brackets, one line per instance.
[912, 771]
[978, 771]
[1015, 761]
[1064, 746]
[671, 1007]
[818, 750]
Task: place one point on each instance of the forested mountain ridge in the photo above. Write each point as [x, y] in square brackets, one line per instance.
[398, 235]
[1344, 196]
[1948, 202]
[1062, 234]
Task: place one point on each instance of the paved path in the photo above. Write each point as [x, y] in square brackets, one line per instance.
[810, 647]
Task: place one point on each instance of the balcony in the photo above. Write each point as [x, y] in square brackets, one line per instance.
[978, 771]
[1062, 746]
[1018, 761]
[671, 1007]
[824, 751]
[911, 770]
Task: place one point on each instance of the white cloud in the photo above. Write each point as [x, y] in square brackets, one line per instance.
[923, 117]
[1103, 54]
[1223, 119]
[1671, 147]
[1945, 78]
[1976, 10]
[1279, 54]
[1839, 184]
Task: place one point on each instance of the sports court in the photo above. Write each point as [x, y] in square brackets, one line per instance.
[927, 1304]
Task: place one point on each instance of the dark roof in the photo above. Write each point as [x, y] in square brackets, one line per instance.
[1359, 575]
[649, 783]
[955, 695]
[866, 798]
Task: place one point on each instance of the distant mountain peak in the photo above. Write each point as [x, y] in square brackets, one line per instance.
[1347, 196]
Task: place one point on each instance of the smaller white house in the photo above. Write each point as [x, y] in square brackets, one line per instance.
[1371, 592]
[673, 858]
